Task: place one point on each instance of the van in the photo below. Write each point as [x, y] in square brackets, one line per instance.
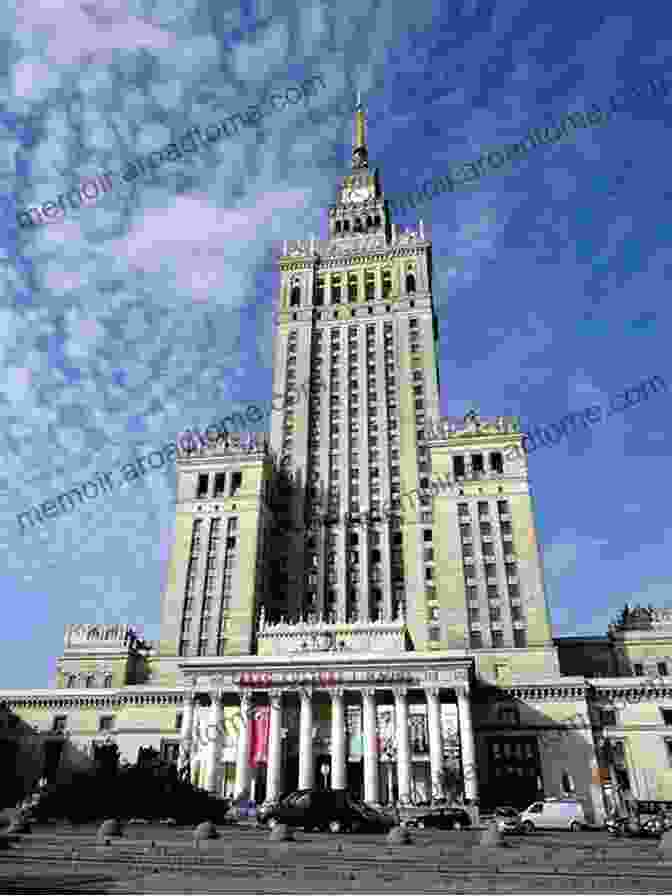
[561, 814]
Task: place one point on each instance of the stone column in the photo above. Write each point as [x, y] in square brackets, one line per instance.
[370, 746]
[403, 744]
[213, 747]
[243, 759]
[274, 767]
[435, 741]
[306, 771]
[338, 760]
[467, 743]
[186, 731]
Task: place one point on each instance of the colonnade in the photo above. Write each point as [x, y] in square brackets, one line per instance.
[370, 752]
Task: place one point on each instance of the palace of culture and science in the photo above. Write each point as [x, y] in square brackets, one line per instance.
[356, 599]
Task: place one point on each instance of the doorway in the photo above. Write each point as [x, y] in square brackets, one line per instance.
[355, 779]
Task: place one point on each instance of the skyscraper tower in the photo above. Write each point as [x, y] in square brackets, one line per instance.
[355, 359]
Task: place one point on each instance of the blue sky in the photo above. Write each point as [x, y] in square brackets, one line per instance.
[142, 315]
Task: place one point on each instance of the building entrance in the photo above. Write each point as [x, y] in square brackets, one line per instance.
[514, 771]
[355, 779]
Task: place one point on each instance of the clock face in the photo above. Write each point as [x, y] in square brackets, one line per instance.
[355, 195]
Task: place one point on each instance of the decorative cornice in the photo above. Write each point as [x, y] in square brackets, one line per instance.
[58, 699]
[536, 693]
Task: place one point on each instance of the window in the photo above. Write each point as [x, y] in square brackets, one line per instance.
[483, 508]
[516, 614]
[497, 639]
[236, 482]
[638, 669]
[475, 640]
[219, 485]
[666, 715]
[106, 723]
[608, 717]
[72, 681]
[463, 509]
[495, 614]
[107, 681]
[60, 723]
[435, 634]
[668, 747]
[509, 715]
[662, 668]
[503, 507]
[202, 490]
[459, 468]
[474, 614]
[496, 462]
[519, 637]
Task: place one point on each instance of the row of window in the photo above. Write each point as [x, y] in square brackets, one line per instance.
[473, 466]
[88, 681]
[105, 723]
[214, 486]
[337, 287]
[359, 225]
[497, 638]
[212, 611]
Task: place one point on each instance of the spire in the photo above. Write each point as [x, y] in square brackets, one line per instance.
[359, 150]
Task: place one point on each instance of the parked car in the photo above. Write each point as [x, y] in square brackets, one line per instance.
[324, 810]
[507, 819]
[559, 814]
[448, 818]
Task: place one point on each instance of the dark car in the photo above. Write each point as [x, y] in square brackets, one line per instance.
[507, 819]
[446, 817]
[324, 810]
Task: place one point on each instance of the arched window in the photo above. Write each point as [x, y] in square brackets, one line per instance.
[107, 681]
[72, 681]
[346, 226]
[295, 296]
[338, 227]
[90, 681]
[358, 225]
[369, 221]
[377, 220]
[410, 282]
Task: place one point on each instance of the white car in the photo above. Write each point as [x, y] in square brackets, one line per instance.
[558, 814]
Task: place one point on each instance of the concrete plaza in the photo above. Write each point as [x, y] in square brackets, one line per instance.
[156, 859]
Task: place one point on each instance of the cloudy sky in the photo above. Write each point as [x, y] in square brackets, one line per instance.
[150, 310]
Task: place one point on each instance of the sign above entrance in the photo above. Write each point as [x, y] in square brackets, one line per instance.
[345, 677]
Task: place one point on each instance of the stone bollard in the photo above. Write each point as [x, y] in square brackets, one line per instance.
[112, 827]
[665, 845]
[492, 837]
[281, 833]
[206, 830]
[399, 835]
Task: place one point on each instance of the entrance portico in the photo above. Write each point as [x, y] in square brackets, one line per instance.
[389, 732]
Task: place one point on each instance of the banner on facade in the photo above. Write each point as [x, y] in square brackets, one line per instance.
[259, 730]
